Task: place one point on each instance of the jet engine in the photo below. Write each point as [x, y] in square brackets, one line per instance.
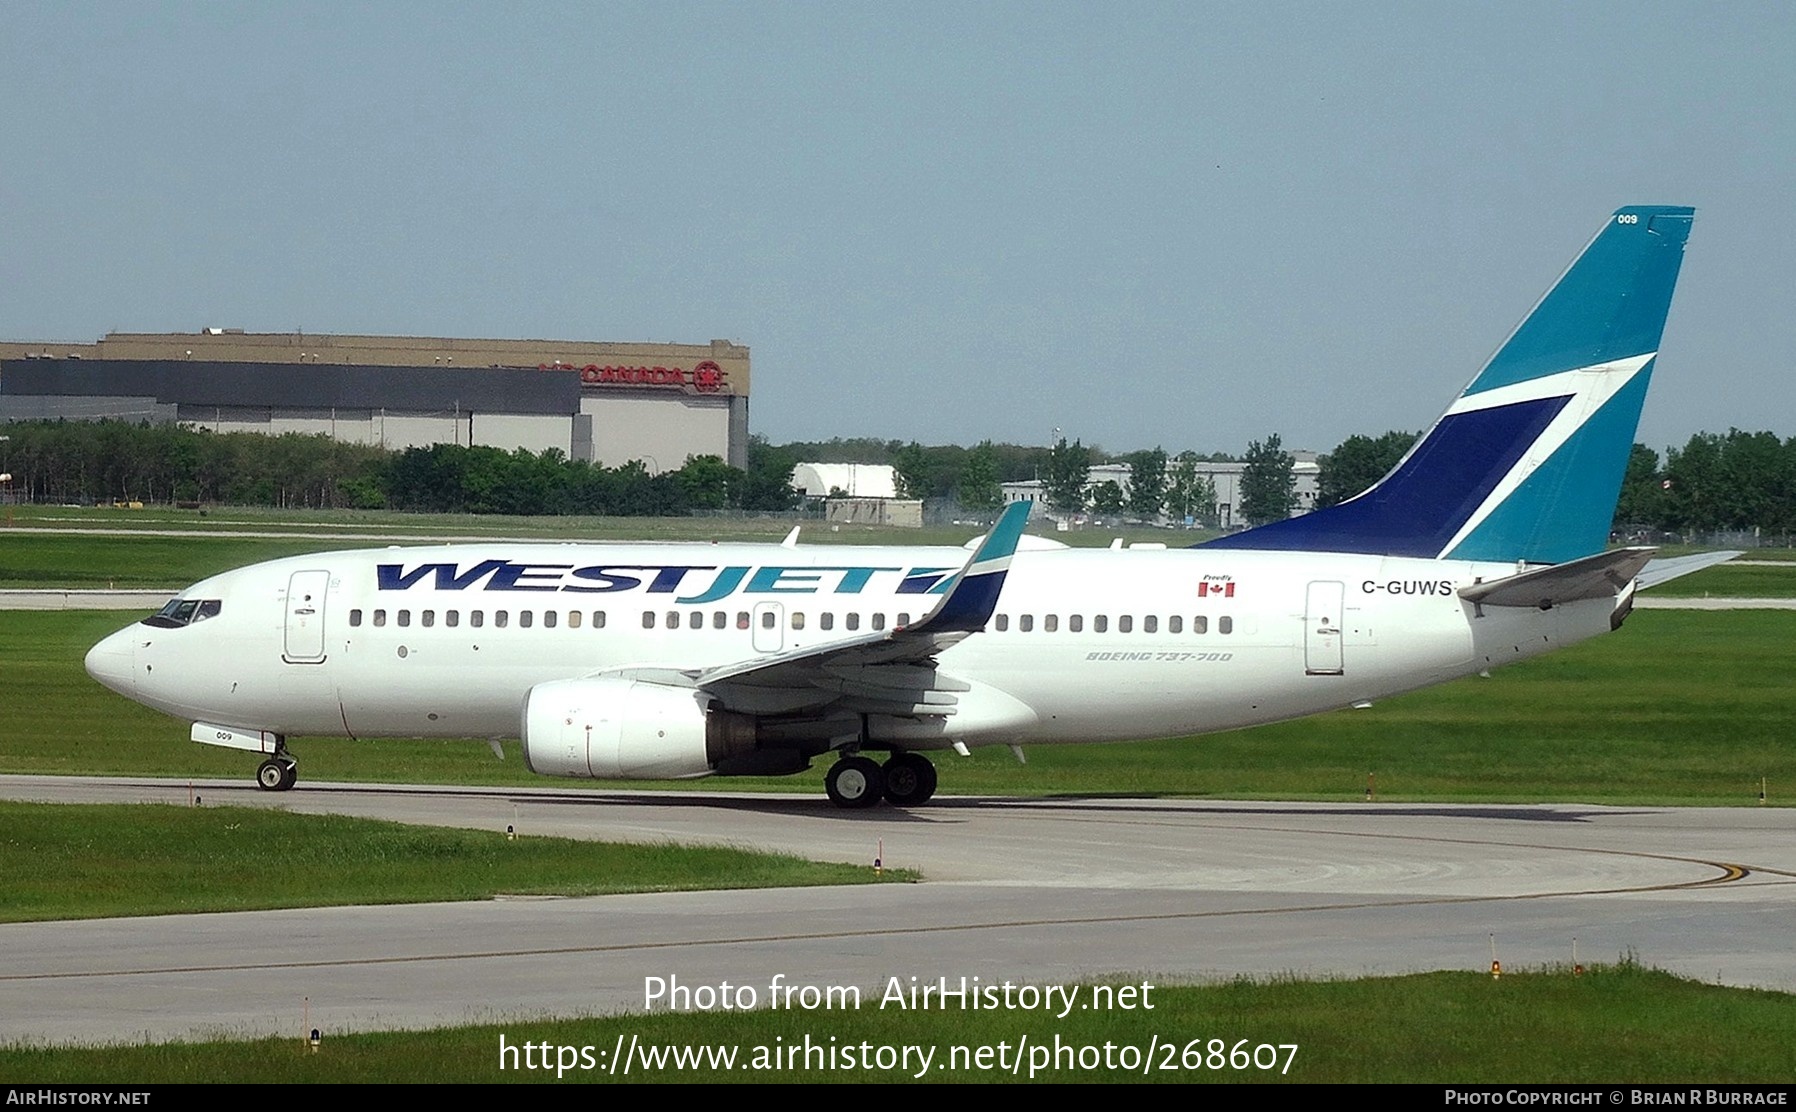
[615, 728]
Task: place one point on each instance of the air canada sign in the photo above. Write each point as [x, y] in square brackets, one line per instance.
[704, 378]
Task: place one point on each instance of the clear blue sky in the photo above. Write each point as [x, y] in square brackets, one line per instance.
[1184, 224]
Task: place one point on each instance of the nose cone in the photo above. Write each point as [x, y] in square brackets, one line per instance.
[111, 663]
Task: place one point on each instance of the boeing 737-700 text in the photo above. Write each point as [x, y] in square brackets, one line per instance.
[1487, 544]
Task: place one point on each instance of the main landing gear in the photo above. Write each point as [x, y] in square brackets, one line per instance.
[278, 773]
[906, 780]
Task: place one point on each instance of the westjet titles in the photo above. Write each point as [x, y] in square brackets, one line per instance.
[663, 579]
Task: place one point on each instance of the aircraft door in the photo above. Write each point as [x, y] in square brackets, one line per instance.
[1323, 619]
[770, 627]
[305, 617]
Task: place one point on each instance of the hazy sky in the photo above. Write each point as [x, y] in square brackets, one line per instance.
[1185, 224]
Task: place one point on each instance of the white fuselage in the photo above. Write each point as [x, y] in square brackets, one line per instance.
[1085, 645]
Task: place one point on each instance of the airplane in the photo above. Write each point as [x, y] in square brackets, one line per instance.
[1486, 544]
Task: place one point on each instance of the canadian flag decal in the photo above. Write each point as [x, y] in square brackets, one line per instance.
[1225, 590]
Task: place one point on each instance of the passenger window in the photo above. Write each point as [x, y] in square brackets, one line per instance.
[879, 621]
[741, 619]
[903, 619]
[405, 618]
[720, 620]
[1100, 623]
[1025, 623]
[1200, 624]
[1225, 624]
[1175, 624]
[549, 617]
[452, 618]
[598, 619]
[1050, 623]
[854, 621]
[355, 617]
[476, 618]
[428, 618]
[695, 620]
[648, 619]
[1150, 624]
[573, 619]
[1002, 623]
[380, 617]
[768, 619]
[1075, 623]
[525, 619]
[673, 619]
[500, 617]
[797, 620]
[1125, 624]
[826, 621]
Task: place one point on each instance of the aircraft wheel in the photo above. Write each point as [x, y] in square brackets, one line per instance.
[272, 776]
[910, 779]
[855, 782]
[290, 777]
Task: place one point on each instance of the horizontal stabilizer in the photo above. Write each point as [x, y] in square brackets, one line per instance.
[1604, 575]
[1673, 567]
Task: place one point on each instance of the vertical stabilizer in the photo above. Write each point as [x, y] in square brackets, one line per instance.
[1527, 463]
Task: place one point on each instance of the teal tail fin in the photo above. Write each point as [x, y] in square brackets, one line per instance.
[1527, 462]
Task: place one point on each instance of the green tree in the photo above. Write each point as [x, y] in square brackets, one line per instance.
[912, 471]
[706, 481]
[1107, 499]
[1357, 463]
[1069, 465]
[979, 488]
[1642, 500]
[1147, 483]
[768, 483]
[1268, 483]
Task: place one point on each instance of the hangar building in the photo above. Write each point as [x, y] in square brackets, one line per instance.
[609, 403]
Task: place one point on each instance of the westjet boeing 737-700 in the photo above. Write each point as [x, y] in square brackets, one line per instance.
[1486, 544]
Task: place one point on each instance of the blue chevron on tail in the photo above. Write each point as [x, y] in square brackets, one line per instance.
[1527, 463]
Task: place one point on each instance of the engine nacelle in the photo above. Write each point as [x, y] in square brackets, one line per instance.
[610, 728]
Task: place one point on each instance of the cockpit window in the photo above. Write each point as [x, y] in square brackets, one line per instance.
[184, 611]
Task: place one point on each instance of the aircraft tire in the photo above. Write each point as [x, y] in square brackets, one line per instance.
[910, 779]
[271, 776]
[289, 776]
[855, 782]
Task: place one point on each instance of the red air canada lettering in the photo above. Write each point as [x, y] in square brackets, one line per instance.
[705, 377]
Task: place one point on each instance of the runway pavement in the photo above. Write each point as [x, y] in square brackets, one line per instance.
[1026, 890]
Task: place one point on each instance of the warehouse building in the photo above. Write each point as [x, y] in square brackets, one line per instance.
[608, 403]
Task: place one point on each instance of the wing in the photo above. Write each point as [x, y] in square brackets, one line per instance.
[890, 672]
[1672, 567]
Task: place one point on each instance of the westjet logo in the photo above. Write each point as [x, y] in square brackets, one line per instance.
[689, 583]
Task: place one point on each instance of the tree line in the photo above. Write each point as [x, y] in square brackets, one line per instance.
[1736, 481]
[106, 461]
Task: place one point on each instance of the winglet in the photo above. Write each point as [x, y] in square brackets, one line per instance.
[969, 603]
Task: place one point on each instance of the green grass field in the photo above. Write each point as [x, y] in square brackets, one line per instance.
[1680, 707]
[1615, 1024]
[67, 861]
